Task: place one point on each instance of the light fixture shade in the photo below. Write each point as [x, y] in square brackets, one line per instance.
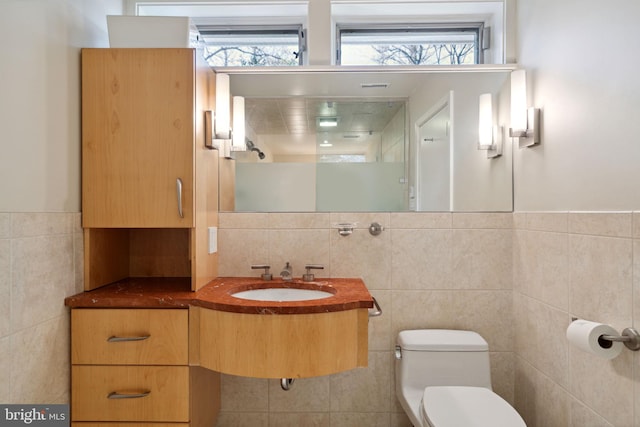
[485, 122]
[518, 102]
[222, 114]
[238, 143]
[326, 122]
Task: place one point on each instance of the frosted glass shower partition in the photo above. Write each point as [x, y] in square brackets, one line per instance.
[322, 187]
[275, 187]
[369, 187]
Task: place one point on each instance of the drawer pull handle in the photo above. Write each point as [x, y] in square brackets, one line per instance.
[117, 395]
[124, 339]
[179, 194]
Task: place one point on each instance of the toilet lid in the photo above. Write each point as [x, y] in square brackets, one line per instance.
[456, 406]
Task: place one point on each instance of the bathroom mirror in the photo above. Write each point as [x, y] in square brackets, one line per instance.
[362, 139]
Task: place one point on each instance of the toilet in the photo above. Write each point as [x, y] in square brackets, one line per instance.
[443, 380]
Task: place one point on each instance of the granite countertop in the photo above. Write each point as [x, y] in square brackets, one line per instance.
[348, 294]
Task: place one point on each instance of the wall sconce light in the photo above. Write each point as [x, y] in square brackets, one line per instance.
[219, 134]
[489, 135]
[525, 120]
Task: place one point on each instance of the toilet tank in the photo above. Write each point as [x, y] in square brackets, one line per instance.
[439, 357]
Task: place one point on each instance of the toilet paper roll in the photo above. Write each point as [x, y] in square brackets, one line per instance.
[585, 335]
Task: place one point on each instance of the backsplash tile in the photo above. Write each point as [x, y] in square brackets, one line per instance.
[299, 220]
[482, 220]
[482, 259]
[421, 259]
[362, 255]
[418, 220]
[424, 274]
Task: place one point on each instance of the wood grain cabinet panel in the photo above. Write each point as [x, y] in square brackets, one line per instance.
[138, 127]
[138, 381]
[145, 164]
[130, 337]
[130, 393]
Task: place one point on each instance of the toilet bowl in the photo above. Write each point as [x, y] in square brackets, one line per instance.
[443, 380]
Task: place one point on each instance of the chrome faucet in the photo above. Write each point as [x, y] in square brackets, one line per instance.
[287, 273]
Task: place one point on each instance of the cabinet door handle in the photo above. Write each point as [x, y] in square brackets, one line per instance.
[118, 395]
[179, 193]
[123, 339]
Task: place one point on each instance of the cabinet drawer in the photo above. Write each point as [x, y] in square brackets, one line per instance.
[129, 337]
[130, 393]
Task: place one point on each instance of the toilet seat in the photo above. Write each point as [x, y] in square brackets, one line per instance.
[455, 406]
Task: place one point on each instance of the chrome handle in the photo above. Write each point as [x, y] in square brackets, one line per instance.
[308, 277]
[179, 193]
[124, 339]
[378, 311]
[118, 395]
[266, 275]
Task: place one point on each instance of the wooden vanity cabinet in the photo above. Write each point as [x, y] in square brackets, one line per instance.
[145, 165]
[139, 124]
[132, 365]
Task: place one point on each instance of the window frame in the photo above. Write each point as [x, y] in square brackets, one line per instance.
[246, 30]
[477, 27]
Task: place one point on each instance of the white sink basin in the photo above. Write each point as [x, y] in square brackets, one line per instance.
[282, 294]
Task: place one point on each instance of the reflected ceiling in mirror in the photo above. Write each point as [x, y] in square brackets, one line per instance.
[287, 122]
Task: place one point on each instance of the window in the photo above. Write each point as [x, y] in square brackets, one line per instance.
[410, 44]
[246, 46]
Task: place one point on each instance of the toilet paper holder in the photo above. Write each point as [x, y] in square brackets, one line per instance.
[629, 337]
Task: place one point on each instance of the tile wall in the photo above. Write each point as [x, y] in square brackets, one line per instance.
[566, 265]
[427, 270]
[40, 264]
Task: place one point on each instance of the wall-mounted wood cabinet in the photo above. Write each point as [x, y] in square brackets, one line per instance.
[145, 165]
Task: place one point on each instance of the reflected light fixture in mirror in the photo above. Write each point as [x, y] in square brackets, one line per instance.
[222, 114]
[238, 132]
[328, 122]
[525, 120]
[489, 136]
